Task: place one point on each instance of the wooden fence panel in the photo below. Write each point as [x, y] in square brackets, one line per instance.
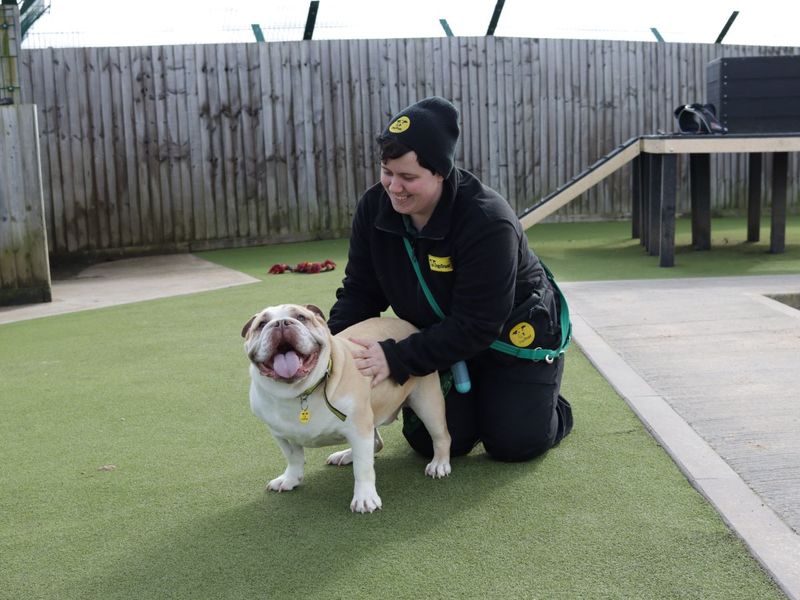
[24, 265]
[182, 147]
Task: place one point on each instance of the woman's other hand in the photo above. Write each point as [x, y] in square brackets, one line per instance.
[370, 360]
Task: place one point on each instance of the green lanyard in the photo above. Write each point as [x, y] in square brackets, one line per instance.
[527, 353]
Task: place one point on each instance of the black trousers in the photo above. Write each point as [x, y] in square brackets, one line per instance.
[514, 408]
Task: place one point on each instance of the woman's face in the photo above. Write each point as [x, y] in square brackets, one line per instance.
[413, 189]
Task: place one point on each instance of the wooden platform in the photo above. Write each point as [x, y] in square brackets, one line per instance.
[654, 186]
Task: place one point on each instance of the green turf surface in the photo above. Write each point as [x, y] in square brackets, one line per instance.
[159, 390]
[594, 251]
[583, 251]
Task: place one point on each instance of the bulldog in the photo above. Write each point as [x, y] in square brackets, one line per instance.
[305, 386]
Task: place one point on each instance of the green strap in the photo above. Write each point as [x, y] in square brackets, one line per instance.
[527, 353]
[304, 396]
[425, 289]
[333, 409]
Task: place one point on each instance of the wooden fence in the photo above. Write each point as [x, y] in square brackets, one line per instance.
[213, 145]
[24, 266]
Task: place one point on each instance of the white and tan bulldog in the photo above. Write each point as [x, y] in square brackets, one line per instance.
[306, 387]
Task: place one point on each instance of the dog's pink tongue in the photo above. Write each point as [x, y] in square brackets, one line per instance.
[286, 365]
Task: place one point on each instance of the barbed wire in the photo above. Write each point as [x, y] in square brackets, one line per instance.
[273, 33]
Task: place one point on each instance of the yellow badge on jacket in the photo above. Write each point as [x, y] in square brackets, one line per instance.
[522, 335]
[441, 264]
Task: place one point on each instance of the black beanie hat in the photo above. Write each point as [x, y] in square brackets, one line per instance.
[429, 128]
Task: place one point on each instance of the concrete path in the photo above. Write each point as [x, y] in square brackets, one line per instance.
[712, 367]
[129, 280]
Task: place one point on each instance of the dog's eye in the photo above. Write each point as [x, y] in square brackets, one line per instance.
[261, 325]
[301, 318]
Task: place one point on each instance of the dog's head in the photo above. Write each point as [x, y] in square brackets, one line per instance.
[286, 342]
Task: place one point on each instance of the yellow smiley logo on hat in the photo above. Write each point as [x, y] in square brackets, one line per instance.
[522, 335]
[400, 125]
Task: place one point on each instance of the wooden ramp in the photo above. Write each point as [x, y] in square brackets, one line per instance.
[594, 174]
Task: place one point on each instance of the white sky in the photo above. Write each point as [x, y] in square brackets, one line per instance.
[153, 22]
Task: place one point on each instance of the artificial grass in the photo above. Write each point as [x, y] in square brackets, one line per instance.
[579, 252]
[605, 251]
[159, 390]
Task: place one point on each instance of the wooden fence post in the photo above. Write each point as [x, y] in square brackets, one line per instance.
[10, 40]
[24, 264]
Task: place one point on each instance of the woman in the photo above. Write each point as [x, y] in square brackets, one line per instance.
[474, 258]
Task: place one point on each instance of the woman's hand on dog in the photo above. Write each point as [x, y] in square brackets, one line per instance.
[370, 360]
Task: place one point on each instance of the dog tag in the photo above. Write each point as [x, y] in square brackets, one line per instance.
[305, 416]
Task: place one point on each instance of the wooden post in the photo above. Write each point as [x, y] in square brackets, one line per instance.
[10, 40]
[636, 196]
[24, 265]
[777, 236]
[644, 215]
[754, 198]
[700, 186]
[654, 235]
[669, 186]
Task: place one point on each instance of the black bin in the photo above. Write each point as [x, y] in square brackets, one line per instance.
[756, 94]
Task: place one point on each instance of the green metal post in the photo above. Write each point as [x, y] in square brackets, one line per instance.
[447, 31]
[311, 19]
[257, 32]
[657, 34]
[10, 39]
[498, 8]
[724, 31]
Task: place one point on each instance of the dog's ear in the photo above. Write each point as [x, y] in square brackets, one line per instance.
[246, 327]
[316, 310]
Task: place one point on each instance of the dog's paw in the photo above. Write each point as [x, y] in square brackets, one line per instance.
[340, 459]
[366, 501]
[437, 469]
[284, 483]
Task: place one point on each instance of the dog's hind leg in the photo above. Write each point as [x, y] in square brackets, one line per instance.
[340, 458]
[345, 457]
[295, 463]
[427, 402]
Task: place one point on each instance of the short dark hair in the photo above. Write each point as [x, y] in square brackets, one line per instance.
[390, 149]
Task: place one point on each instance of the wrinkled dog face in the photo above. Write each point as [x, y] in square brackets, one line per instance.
[285, 341]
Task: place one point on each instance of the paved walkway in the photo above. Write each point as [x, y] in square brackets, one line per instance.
[711, 366]
[129, 280]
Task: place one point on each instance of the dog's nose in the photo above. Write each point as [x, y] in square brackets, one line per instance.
[284, 323]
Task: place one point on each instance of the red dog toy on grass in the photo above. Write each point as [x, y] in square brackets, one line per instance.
[304, 267]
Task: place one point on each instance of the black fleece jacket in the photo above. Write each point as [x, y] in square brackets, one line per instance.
[474, 256]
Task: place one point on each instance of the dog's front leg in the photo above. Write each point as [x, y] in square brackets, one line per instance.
[365, 496]
[295, 463]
